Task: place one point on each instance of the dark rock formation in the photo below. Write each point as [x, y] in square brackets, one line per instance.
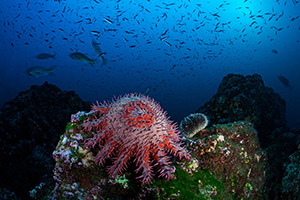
[291, 180]
[279, 152]
[247, 98]
[231, 152]
[30, 126]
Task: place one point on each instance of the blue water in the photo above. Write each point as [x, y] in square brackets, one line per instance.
[206, 37]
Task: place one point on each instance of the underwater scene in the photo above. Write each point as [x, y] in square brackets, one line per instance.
[148, 99]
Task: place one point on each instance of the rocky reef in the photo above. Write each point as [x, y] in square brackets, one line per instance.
[30, 126]
[280, 164]
[131, 129]
[227, 163]
[291, 181]
[245, 152]
[247, 98]
[78, 176]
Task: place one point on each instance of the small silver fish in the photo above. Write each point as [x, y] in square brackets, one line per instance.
[124, 39]
[95, 32]
[108, 20]
[40, 71]
[43, 56]
[164, 38]
[147, 91]
[96, 47]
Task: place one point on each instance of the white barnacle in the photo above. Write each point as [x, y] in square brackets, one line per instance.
[221, 138]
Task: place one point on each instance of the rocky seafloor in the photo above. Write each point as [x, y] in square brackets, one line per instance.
[246, 152]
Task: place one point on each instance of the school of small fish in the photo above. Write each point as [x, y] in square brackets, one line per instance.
[152, 33]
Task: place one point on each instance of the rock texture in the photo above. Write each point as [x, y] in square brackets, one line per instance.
[232, 154]
[30, 126]
[247, 98]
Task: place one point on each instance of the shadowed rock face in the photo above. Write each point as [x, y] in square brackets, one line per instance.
[247, 98]
[30, 126]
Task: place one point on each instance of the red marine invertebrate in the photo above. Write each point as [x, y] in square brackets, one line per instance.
[134, 126]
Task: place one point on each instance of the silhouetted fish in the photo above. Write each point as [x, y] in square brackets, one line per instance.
[284, 81]
[81, 57]
[43, 56]
[40, 71]
[97, 49]
[275, 51]
[147, 91]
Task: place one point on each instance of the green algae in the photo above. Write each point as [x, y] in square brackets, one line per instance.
[198, 185]
[122, 180]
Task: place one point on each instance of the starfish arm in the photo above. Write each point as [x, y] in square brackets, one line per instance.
[105, 152]
[162, 160]
[144, 163]
[177, 150]
[120, 163]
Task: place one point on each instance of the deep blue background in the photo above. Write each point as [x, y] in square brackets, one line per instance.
[183, 76]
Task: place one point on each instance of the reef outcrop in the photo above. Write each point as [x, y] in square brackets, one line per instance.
[30, 126]
[232, 154]
[226, 159]
[247, 98]
[291, 180]
[130, 129]
[226, 163]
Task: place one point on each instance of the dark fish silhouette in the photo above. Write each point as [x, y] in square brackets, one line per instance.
[147, 91]
[97, 49]
[275, 51]
[43, 56]
[81, 57]
[40, 71]
[284, 81]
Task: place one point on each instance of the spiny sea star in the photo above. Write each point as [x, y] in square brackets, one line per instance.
[134, 126]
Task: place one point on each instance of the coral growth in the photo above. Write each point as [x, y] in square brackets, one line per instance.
[134, 126]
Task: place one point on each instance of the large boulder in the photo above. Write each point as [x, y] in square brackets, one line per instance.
[247, 98]
[30, 126]
[232, 155]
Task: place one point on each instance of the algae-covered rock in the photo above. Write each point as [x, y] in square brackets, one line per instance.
[76, 174]
[227, 163]
[232, 154]
[291, 181]
[247, 98]
[190, 182]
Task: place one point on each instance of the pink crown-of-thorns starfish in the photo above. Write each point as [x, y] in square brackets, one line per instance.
[134, 126]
